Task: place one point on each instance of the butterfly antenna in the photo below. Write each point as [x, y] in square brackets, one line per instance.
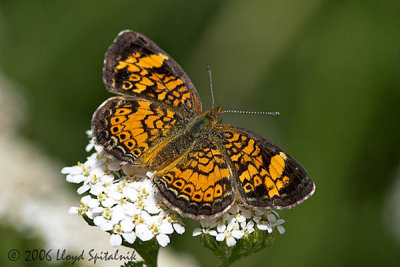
[211, 86]
[274, 113]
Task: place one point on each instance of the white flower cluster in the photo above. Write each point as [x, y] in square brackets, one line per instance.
[120, 202]
[238, 222]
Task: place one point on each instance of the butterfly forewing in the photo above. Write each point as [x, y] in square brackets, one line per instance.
[134, 65]
[130, 127]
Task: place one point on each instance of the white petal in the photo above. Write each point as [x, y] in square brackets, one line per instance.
[115, 240]
[212, 232]
[99, 220]
[73, 210]
[108, 202]
[108, 226]
[233, 225]
[197, 231]
[130, 193]
[221, 228]
[89, 147]
[180, 229]
[129, 237]
[230, 241]
[150, 206]
[281, 229]
[143, 232]
[166, 228]
[280, 221]
[118, 213]
[237, 234]
[250, 225]
[93, 203]
[97, 189]
[163, 240]
[97, 210]
[76, 179]
[127, 225]
[86, 199]
[83, 189]
[115, 195]
[130, 209]
[108, 178]
[71, 170]
[98, 172]
[271, 218]
[241, 219]
[89, 214]
[264, 226]
[220, 237]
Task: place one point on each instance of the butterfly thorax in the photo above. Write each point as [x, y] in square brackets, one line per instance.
[203, 122]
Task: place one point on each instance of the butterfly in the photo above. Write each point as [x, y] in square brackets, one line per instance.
[200, 166]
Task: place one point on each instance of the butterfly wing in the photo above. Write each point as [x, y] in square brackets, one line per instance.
[200, 184]
[134, 65]
[131, 128]
[266, 176]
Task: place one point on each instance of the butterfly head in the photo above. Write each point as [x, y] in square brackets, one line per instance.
[213, 114]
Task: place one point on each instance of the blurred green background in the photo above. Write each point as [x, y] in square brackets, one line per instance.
[331, 67]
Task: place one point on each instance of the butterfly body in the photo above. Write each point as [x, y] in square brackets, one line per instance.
[200, 166]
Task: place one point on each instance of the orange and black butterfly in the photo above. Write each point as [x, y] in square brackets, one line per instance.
[200, 166]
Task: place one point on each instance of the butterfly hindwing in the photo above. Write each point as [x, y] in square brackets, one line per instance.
[200, 184]
[266, 176]
[134, 65]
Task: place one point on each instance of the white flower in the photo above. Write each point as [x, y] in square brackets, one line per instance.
[229, 233]
[121, 200]
[240, 221]
[247, 228]
[276, 223]
[207, 228]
